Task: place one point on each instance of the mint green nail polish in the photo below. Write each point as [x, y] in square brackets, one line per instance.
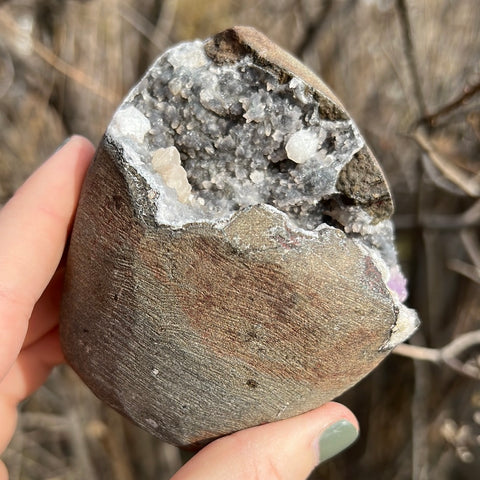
[63, 144]
[336, 438]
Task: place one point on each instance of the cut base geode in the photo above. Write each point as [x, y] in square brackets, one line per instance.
[232, 258]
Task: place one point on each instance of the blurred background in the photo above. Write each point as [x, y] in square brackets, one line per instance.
[409, 74]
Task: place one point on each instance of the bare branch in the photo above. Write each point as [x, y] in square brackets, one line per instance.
[157, 34]
[472, 215]
[465, 269]
[407, 37]
[137, 21]
[8, 23]
[8, 71]
[313, 28]
[469, 218]
[418, 353]
[461, 344]
[448, 355]
[454, 174]
[471, 245]
[468, 92]
[165, 24]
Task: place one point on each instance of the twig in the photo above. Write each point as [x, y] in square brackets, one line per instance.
[420, 446]
[157, 34]
[79, 444]
[8, 71]
[463, 268]
[406, 27]
[7, 23]
[461, 344]
[115, 444]
[472, 215]
[468, 219]
[313, 28]
[136, 20]
[447, 355]
[468, 92]
[418, 353]
[434, 222]
[465, 182]
[164, 25]
[471, 245]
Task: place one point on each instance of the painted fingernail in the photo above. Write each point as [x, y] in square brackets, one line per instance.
[335, 438]
[62, 144]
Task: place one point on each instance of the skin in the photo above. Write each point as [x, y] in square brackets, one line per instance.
[34, 227]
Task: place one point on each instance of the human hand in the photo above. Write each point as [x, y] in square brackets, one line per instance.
[34, 228]
[284, 450]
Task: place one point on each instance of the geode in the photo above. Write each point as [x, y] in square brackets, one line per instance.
[232, 259]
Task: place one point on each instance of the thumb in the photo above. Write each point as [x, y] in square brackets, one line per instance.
[284, 450]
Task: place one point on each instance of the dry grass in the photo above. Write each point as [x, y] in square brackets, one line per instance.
[64, 66]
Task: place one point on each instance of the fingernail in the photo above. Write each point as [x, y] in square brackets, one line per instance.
[63, 144]
[335, 438]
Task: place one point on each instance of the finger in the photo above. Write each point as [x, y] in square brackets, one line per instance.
[32, 367]
[45, 314]
[3, 471]
[29, 372]
[286, 450]
[9, 415]
[34, 226]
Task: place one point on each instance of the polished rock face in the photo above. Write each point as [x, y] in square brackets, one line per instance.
[232, 260]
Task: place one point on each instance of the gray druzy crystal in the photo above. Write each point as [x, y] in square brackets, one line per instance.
[244, 138]
[232, 259]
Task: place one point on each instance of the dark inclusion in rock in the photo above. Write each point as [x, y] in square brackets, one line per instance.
[232, 258]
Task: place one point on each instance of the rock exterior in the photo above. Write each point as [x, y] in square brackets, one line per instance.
[232, 259]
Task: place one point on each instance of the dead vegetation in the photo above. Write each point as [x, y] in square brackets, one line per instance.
[409, 73]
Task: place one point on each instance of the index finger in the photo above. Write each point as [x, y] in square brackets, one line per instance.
[34, 227]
